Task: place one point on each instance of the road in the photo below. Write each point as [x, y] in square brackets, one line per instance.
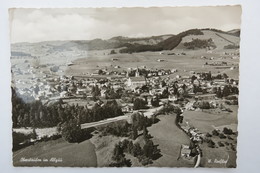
[106, 121]
[147, 113]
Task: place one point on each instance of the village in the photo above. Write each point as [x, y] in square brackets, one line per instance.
[139, 82]
[124, 104]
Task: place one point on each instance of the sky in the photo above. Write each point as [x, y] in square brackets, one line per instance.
[36, 25]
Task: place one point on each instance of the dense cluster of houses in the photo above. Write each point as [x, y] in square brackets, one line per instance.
[142, 82]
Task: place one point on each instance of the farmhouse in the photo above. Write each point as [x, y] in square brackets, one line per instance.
[160, 60]
[95, 73]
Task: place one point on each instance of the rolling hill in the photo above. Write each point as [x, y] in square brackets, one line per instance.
[219, 39]
[131, 45]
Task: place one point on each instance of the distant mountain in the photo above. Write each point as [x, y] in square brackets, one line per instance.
[130, 45]
[85, 45]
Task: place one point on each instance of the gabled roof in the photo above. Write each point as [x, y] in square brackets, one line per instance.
[137, 79]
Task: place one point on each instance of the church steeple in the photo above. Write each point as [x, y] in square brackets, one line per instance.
[137, 74]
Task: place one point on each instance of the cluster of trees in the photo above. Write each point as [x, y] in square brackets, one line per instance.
[165, 93]
[112, 52]
[202, 105]
[226, 132]
[175, 40]
[140, 103]
[21, 140]
[220, 76]
[145, 154]
[204, 76]
[112, 94]
[72, 132]
[155, 101]
[197, 88]
[209, 77]
[123, 129]
[231, 46]
[95, 91]
[120, 128]
[139, 122]
[227, 90]
[198, 43]
[168, 108]
[35, 114]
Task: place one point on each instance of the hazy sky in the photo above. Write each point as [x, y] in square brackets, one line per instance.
[34, 25]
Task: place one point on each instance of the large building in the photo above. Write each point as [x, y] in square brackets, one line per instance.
[134, 82]
[137, 81]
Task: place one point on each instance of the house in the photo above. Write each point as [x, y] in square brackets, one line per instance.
[174, 70]
[114, 59]
[81, 91]
[95, 73]
[172, 98]
[127, 108]
[160, 60]
[185, 151]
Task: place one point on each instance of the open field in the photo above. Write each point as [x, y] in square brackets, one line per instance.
[206, 122]
[87, 65]
[169, 138]
[71, 154]
[104, 147]
[93, 60]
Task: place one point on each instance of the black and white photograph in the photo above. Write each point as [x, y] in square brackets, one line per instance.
[125, 87]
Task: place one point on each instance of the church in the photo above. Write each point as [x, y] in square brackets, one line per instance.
[137, 81]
